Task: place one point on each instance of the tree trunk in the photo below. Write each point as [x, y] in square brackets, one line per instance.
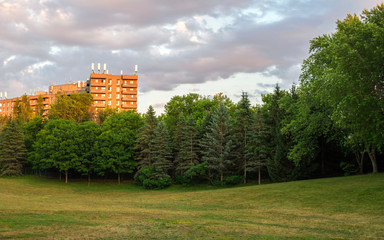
[372, 156]
[118, 176]
[259, 175]
[221, 176]
[89, 179]
[322, 157]
[60, 176]
[245, 171]
[66, 176]
[359, 155]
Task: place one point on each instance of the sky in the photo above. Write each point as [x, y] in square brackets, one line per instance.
[180, 47]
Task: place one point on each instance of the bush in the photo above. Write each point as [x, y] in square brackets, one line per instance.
[158, 182]
[149, 178]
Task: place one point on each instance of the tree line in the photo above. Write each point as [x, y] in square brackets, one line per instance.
[332, 123]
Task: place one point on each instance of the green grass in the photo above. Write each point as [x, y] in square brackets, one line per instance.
[334, 208]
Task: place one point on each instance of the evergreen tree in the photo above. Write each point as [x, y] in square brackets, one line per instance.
[187, 151]
[145, 139]
[280, 168]
[218, 144]
[257, 151]
[12, 150]
[243, 118]
[161, 151]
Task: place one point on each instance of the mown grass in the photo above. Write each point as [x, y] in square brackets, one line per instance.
[335, 208]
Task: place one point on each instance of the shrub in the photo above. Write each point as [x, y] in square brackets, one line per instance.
[149, 178]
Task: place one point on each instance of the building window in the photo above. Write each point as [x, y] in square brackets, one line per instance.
[96, 102]
[131, 103]
[118, 102]
[118, 96]
[102, 95]
[103, 88]
[109, 103]
[109, 88]
[131, 82]
[125, 81]
[109, 95]
[109, 81]
[96, 80]
[97, 88]
[118, 82]
[118, 89]
[103, 81]
[97, 95]
[131, 96]
[131, 89]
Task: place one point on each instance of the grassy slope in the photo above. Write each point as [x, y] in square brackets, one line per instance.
[333, 208]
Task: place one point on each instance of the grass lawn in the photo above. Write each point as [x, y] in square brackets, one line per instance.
[334, 208]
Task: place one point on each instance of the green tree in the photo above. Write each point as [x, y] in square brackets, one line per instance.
[256, 151]
[243, 118]
[39, 107]
[187, 148]
[57, 146]
[116, 144]
[104, 113]
[16, 109]
[345, 68]
[218, 144]
[161, 151]
[26, 112]
[145, 138]
[87, 134]
[12, 150]
[31, 131]
[76, 107]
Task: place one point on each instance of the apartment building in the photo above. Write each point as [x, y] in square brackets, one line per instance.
[115, 91]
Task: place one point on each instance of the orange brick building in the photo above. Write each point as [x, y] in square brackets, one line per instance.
[115, 91]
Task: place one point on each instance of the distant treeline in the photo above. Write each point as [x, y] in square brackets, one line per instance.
[331, 124]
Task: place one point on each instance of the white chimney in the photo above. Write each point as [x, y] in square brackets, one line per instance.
[136, 68]
[93, 68]
[98, 68]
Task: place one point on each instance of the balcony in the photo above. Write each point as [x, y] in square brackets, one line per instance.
[97, 91]
[102, 105]
[134, 92]
[129, 99]
[129, 106]
[94, 84]
[95, 98]
[129, 85]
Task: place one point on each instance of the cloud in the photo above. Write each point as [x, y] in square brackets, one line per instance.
[174, 42]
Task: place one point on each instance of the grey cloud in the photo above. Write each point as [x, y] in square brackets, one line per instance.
[88, 31]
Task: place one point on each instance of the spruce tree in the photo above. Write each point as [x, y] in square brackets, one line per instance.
[187, 142]
[243, 118]
[12, 150]
[145, 138]
[217, 143]
[257, 151]
[161, 151]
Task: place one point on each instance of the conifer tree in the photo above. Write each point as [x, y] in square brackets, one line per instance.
[161, 151]
[243, 117]
[145, 138]
[187, 153]
[217, 143]
[256, 151]
[12, 150]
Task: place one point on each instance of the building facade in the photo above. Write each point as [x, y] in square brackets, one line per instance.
[115, 91]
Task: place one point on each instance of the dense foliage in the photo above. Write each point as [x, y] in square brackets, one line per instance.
[326, 126]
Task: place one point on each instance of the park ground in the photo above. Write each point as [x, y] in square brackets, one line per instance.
[33, 207]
